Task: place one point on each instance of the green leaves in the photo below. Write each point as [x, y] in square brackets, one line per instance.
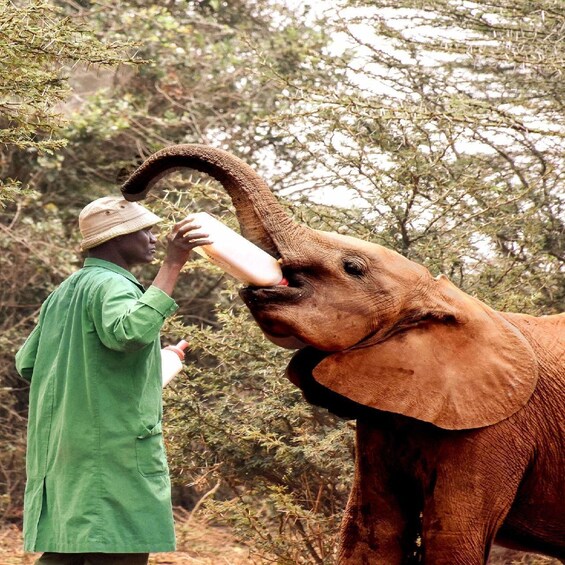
[37, 41]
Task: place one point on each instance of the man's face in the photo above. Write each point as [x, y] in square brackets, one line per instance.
[138, 247]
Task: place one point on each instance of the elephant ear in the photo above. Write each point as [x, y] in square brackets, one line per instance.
[456, 375]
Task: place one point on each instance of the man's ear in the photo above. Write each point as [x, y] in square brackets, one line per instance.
[453, 374]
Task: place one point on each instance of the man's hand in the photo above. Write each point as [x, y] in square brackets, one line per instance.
[184, 237]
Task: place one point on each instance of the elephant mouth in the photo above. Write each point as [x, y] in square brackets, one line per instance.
[259, 297]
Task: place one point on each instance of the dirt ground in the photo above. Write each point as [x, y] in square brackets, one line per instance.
[200, 543]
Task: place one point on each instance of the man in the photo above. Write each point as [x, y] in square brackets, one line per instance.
[98, 489]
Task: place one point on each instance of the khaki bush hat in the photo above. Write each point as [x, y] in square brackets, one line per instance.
[111, 216]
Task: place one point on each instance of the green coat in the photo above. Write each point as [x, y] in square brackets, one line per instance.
[97, 475]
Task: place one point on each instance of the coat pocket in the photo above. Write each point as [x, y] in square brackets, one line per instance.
[150, 452]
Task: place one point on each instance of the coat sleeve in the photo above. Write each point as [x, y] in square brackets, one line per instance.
[25, 357]
[125, 321]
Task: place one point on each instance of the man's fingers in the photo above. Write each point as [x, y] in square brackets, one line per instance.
[185, 225]
[190, 234]
[187, 229]
[196, 242]
[185, 235]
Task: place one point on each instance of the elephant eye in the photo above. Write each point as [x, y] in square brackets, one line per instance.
[354, 267]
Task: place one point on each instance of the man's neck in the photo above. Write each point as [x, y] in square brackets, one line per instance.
[109, 254]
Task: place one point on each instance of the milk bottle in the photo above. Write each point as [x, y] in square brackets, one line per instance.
[236, 255]
[172, 357]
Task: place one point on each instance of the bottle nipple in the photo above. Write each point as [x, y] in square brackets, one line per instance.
[179, 348]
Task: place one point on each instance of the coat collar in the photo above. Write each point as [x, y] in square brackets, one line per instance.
[94, 262]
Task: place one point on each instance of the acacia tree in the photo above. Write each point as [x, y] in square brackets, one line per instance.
[39, 43]
[447, 128]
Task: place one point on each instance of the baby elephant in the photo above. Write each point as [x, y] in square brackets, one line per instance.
[460, 409]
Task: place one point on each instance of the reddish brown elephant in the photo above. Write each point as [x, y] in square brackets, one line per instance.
[460, 409]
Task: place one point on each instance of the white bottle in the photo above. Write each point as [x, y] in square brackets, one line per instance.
[236, 255]
[172, 357]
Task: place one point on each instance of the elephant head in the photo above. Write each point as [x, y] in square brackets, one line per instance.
[377, 328]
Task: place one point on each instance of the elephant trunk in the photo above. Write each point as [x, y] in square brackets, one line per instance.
[261, 217]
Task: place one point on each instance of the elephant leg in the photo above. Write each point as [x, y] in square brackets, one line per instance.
[382, 517]
[376, 531]
[448, 538]
[463, 512]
